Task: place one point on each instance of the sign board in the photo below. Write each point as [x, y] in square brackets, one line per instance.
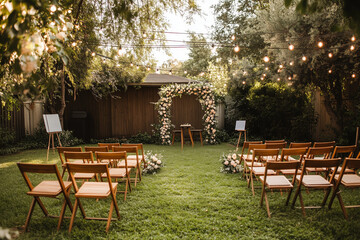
[52, 123]
[240, 125]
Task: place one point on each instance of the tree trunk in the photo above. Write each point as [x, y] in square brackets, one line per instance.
[63, 103]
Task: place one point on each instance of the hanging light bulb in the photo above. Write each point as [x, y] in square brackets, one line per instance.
[266, 59]
[236, 48]
[289, 78]
[353, 75]
[73, 44]
[291, 63]
[264, 75]
[278, 79]
[52, 24]
[121, 51]
[330, 55]
[170, 72]
[262, 78]
[330, 71]
[291, 47]
[131, 64]
[137, 66]
[93, 54]
[233, 37]
[52, 8]
[148, 68]
[185, 72]
[320, 44]
[353, 38]
[266, 68]
[281, 66]
[144, 34]
[352, 48]
[243, 82]
[304, 58]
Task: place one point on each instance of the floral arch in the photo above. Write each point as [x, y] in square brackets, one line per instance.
[206, 97]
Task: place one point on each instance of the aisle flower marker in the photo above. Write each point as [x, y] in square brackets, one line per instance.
[231, 163]
[206, 97]
[153, 162]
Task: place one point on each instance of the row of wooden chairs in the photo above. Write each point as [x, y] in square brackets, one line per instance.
[109, 165]
[264, 162]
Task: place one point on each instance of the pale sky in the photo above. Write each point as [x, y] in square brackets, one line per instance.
[178, 24]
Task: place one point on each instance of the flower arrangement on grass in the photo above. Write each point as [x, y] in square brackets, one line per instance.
[153, 162]
[206, 98]
[231, 163]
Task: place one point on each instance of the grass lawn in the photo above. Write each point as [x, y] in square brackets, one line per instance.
[189, 199]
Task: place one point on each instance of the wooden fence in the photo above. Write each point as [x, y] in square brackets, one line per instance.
[13, 120]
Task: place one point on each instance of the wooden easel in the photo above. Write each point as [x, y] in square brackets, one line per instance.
[53, 126]
[51, 136]
[240, 133]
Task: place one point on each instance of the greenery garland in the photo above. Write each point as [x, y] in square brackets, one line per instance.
[205, 95]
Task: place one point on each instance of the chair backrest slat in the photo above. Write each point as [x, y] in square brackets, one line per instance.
[87, 157]
[287, 152]
[328, 163]
[96, 149]
[275, 141]
[282, 165]
[300, 145]
[316, 151]
[344, 149]
[353, 163]
[109, 145]
[87, 168]
[279, 145]
[61, 151]
[324, 144]
[127, 149]
[112, 157]
[259, 153]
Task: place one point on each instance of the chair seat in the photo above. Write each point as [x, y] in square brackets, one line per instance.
[320, 169]
[314, 181]
[256, 164]
[133, 157]
[278, 181]
[261, 171]
[84, 175]
[115, 173]
[76, 161]
[176, 131]
[95, 190]
[349, 180]
[290, 172]
[130, 164]
[48, 188]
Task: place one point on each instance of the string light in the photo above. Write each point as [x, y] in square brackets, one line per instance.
[281, 66]
[266, 59]
[278, 79]
[262, 78]
[353, 75]
[93, 54]
[289, 78]
[330, 55]
[148, 68]
[353, 38]
[185, 72]
[320, 44]
[131, 64]
[266, 68]
[330, 71]
[243, 82]
[291, 47]
[233, 37]
[52, 24]
[52, 8]
[352, 48]
[291, 63]
[236, 48]
[137, 66]
[170, 72]
[304, 58]
[264, 75]
[144, 34]
[121, 51]
[73, 44]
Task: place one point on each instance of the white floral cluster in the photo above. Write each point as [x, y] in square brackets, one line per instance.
[231, 163]
[206, 98]
[153, 162]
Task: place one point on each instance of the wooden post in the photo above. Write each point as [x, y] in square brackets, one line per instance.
[357, 136]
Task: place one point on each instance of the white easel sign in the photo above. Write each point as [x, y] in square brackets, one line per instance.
[240, 125]
[52, 125]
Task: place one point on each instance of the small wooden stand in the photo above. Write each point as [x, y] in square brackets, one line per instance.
[240, 133]
[183, 128]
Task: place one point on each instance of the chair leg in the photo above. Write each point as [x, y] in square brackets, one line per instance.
[73, 214]
[42, 206]
[31, 210]
[62, 213]
[267, 206]
[252, 183]
[302, 204]
[109, 217]
[288, 197]
[325, 197]
[201, 140]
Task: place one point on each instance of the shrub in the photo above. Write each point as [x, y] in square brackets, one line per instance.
[7, 137]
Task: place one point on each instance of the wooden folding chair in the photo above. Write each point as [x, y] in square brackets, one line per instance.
[261, 155]
[131, 163]
[96, 149]
[324, 144]
[318, 153]
[50, 189]
[279, 182]
[245, 146]
[344, 150]
[348, 181]
[300, 145]
[279, 145]
[122, 172]
[109, 145]
[97, 190]
[315, 182]
[81, 158]
[288, 154]
[61, 151]
[249, 157]
[140, 152]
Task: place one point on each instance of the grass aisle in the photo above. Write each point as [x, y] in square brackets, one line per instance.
[188, 199]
